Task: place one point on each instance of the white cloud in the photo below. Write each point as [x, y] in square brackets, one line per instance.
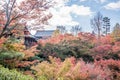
[113, 5]
[62, 14]
[62, 17]
[80, 10]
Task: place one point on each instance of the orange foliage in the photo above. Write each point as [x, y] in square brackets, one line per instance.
[113, 65]
[30, 52]
[26, 63]
[116, 47]
[2, 40]
[82, 36]
[52, 40]
[103, 49]
[87, 37]
[107, 39]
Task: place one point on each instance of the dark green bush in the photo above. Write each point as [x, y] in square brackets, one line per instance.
[35, 58]
[10, 55]
[76, 48]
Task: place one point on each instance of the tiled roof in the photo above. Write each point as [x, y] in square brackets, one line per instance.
[45, 33]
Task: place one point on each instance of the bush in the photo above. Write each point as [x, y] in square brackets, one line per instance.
[113, 65]
[11, 51]
[9, 59]
[6, 74]
[107, 51]
[76, 48]
[12, 44]
[7, 55]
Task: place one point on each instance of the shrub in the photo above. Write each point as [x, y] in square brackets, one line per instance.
[29, 59]
[113, 65]
[11, 52]
[6, 74]
[107, 51]
[64, 49]
[9, 59]
[7, 55]
[12, 44]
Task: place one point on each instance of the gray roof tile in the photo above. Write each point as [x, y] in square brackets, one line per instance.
[44, 33]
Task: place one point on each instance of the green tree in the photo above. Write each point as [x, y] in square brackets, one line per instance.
[106, 25]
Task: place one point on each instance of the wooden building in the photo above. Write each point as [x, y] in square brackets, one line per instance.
[31, 40]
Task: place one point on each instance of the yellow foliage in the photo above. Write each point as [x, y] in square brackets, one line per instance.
[57, 70]
[18, 47]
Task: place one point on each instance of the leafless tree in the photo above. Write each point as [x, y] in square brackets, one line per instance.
[96, 23]
[62, 29]
[76, 29]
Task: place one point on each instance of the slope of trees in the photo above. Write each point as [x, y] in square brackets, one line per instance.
[61, 57]
[77, 54]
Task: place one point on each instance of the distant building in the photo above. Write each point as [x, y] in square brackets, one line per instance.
[44, 34]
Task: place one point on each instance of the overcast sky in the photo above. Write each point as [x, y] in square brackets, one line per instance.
[79, 12]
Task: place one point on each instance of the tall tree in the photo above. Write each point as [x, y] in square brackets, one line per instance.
[13, 14]
[96, 23]
[106, 25]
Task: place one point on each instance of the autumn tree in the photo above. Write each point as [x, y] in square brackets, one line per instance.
[116, 32]
[14, 13]
[96, 23]
[7, 19]
[56, 33]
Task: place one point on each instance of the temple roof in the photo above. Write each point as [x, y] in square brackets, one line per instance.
[44, 33]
